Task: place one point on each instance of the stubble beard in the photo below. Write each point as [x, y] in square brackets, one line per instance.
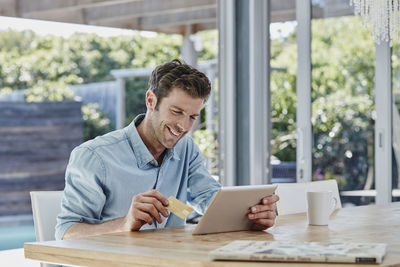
[158, 131]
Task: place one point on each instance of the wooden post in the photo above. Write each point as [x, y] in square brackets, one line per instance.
[120, 107]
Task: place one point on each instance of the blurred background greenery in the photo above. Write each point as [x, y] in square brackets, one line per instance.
[342, 86]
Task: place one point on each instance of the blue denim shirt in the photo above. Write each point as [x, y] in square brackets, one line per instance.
[105, 173]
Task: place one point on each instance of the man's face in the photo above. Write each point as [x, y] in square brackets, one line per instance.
[175, 116]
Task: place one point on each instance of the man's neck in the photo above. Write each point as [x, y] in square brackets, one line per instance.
[150, 141]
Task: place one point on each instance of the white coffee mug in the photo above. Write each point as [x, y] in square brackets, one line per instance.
[320, 206]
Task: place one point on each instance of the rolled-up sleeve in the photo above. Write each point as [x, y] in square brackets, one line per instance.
[201, 185]
[84, 197]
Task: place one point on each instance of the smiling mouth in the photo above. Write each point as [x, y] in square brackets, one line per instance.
[173, 132]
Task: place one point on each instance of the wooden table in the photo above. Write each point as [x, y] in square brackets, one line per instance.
[177, 247]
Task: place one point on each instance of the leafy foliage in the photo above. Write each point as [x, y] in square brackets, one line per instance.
[135, 95]
[48, 91]
[342, 86]
[343, 100]
[83, 58]
[208, 146]
[95, 122]
[46, 65]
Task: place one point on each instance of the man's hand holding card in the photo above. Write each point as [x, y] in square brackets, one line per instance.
[152, 205]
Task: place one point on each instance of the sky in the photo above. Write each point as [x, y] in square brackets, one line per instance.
[278, 30]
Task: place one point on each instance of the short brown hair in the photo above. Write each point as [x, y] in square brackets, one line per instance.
[177, 74]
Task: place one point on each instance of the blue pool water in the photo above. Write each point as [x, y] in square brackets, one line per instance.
[14, 236]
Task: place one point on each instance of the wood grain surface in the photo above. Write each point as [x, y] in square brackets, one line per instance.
[36, 140]
[176, 246]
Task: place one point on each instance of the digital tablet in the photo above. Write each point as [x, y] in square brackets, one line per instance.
[228, 211]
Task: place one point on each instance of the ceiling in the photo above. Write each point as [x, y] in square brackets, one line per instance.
[168, 16]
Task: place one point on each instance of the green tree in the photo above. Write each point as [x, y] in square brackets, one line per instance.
[343, 99]
[46, 65]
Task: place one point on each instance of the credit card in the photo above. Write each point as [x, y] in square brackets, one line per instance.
[178, 208]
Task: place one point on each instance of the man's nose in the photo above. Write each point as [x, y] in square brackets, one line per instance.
[180, 127]
[184, 125]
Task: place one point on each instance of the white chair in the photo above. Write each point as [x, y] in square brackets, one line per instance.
[46, 205]
[292, 196]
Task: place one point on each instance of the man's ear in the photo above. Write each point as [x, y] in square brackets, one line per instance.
[151, 100]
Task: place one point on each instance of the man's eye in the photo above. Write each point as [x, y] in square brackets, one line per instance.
[176, 112]
[193, 118]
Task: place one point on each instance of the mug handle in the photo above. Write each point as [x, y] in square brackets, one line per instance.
[334, 201]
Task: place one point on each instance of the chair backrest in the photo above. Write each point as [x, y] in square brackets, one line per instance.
[293, 195]
[46, 205]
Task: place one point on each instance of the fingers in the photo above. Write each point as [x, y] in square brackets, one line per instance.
[147, 206]
[270, 199]
[143, 216]
[149, 209]
[153, 203]
[263, 215]
[154, 193]
[260, 208]
[271, 215]
[267, 204]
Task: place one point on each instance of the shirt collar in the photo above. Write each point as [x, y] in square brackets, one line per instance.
[140, 150]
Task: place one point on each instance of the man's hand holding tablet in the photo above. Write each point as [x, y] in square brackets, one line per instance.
[233, 209]
[263, 215]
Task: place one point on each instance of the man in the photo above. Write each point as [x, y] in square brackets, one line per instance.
[121, 181]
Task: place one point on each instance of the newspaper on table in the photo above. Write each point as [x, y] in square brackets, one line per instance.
[249, 250]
